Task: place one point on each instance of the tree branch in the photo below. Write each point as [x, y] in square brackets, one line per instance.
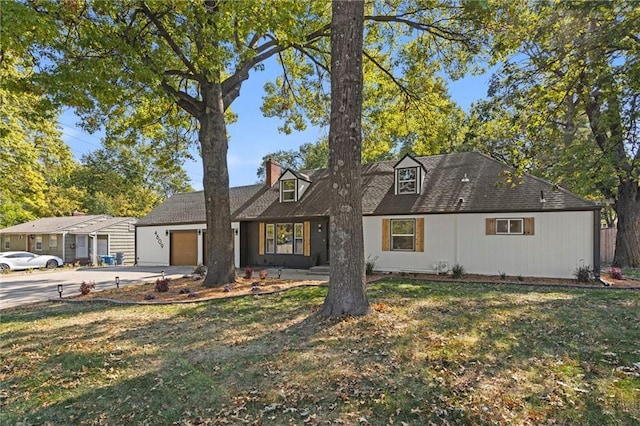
[184, 100]
[167, 37]
[432, 29]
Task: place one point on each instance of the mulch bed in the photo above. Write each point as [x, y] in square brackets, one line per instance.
[188, 289]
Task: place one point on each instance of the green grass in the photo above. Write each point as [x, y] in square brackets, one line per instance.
[440, 353]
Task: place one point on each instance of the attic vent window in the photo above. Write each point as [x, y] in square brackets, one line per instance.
[288, 190]
[407, 179]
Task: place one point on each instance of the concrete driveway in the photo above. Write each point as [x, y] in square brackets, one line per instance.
[20, 288]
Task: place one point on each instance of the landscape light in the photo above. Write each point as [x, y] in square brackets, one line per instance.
[60, 290]
[117, 282]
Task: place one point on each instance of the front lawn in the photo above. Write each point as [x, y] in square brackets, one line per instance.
[429, 352]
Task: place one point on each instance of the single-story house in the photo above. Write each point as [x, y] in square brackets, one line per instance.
[421, 214]
[79, 237]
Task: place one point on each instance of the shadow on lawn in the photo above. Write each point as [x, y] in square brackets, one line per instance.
[454, 353]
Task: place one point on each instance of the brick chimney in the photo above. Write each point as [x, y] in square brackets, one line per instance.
[273, 172]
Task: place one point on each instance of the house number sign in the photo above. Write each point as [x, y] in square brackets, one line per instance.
[159, 240]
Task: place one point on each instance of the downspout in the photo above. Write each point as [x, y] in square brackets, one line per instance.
[596, 247]
[135, 245]
[64, 247]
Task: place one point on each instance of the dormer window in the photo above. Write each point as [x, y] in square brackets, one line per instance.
[407, 179]
[293, 185]
[287, 190]
[409, 174]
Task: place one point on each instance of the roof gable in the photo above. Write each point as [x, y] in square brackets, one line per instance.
[409, 161]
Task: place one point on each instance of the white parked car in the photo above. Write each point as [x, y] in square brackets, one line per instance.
[16, 260]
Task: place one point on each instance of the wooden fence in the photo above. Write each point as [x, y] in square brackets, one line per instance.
[607, 244]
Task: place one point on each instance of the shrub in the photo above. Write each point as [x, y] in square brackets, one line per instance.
[162, 285]
[457, 271]
[583, 273]
[85, 287]
[263, 274]
[616, 273]
[503, 275]
[248, 273]
[200, 270]
[370, 264]
[520, 278]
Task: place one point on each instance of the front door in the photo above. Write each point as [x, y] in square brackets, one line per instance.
[82, 246]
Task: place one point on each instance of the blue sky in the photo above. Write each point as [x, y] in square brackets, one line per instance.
[253, 135]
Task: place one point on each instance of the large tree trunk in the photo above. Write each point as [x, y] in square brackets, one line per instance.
[628, 234]
[213, 141]
[347, 293]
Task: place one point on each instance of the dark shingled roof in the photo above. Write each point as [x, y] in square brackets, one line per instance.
[487, 190]
[188, 207]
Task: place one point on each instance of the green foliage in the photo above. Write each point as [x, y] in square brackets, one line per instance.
[125, 181]
[34, 158]
[565, 106]
[457, 271]
[583, 273]
[370, 264]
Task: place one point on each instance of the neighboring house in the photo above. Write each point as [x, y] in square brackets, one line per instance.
[74, 238]
[421, 214]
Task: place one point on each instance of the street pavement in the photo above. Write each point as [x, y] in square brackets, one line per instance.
[21, 287]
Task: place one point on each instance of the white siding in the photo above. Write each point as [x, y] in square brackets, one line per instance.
[562, 241]
[152, 243]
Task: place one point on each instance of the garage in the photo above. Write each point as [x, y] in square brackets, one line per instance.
[184, 248]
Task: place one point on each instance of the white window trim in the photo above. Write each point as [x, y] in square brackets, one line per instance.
[38, 240]
[509, 220]
[293, 191]
[414, 180]
[53, 237]
[267, 239]
[413, 236]
[296, 238]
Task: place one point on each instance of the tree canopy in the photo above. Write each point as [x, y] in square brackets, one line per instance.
[566, 106]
